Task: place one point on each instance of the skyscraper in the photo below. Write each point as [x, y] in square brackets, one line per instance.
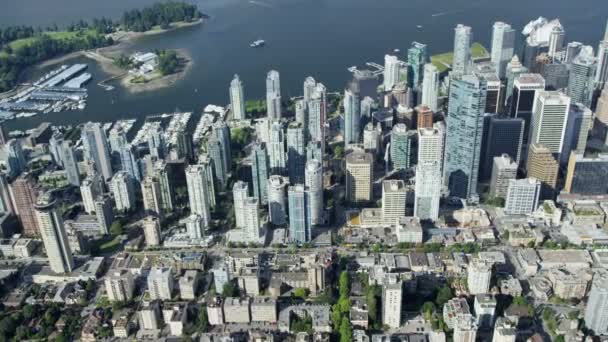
[296, 153]
[151, 194]
[240, 193]
[430, 87]
[214, 150]
[372, 139]
[24, 197]
[359, 177]
[392, 295]
[53, 235]
[251, 215]
[543, 166]
[550, 114]
[222, 133]
[122, 190]
[424, 116]
[427, 190]
[581, 81]
[314, 183]
[69, 162]
[198, 193]
[96, 149]
[463, 135]
[259, 172]
[300, 230]
[514, 69]
[401, 146]
[156, 140]
[391, 72]
[317, 108]
[577, 130]
[525, 87]
[417, 57]
[503, 44]
[207, 165]
[130, 162]
[151, 227]
[163, 173]
[479, 275]
[6, 202]
[309, 88]
[501, 135]
[277, 203]
[394, 195]
[352, 114]
[557, 36]
[237, 99]
[301, 112]
[522, 196]
[15, 159]
[273, 95]
[431, 144]
[90, 189]
[601, 74]
[276, 149]
[596, 313]
[587, 176]
[463, 38]
[504, 169]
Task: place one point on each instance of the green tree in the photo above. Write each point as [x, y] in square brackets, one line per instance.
[168, 62]
[230, 290]
[336, 317]
[344, 283]
[346, 330]
[202, 323]
[116, 228]
[443, 295]
[338, 151]
[300, 292]
[428, 308]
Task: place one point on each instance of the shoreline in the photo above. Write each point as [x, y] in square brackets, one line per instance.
[159, 82]
[104, 56]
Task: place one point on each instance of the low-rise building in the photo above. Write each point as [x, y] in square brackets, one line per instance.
[320, 314]
[175, 317]
[264, 309]
[215, 311]
[455, 309]
[237, 310]
[409, 230]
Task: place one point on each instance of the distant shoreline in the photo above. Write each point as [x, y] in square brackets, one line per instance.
[105, 58]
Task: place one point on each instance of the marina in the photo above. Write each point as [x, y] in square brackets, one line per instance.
[61, 89]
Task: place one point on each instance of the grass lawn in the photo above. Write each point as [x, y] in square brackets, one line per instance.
[443, 61]
[106, 244]
[59, 35]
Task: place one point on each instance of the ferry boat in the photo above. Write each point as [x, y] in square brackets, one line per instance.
[258, 43]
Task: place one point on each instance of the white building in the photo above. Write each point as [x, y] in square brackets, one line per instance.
[277, 202]
[160, 283]
[430, 87]
[198, 192]
[276, 148]
[188, 285]
[463, 38]
[549, 118]
[503, 45]
[479, 275]
[430, 144]
[409, 230]
[394, 196]
[152, 197]
[391, 304]
[195, 226]
[151, 226]
[252, 220]
[522, 196]
[122, 190]
[313, 175]
[240, 192]
[427, 190]
[596, 313]
[504, 169]
[53, 235]
[119, 285]
[359, 177]
[273, 95]
[237, 99]
[465, 330]
[485, 310]
[391, 72]
[90, 189]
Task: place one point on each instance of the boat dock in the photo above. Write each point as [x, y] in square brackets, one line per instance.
[79, 81]
[65, 75]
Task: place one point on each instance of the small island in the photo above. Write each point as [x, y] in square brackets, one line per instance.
[152, 70]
